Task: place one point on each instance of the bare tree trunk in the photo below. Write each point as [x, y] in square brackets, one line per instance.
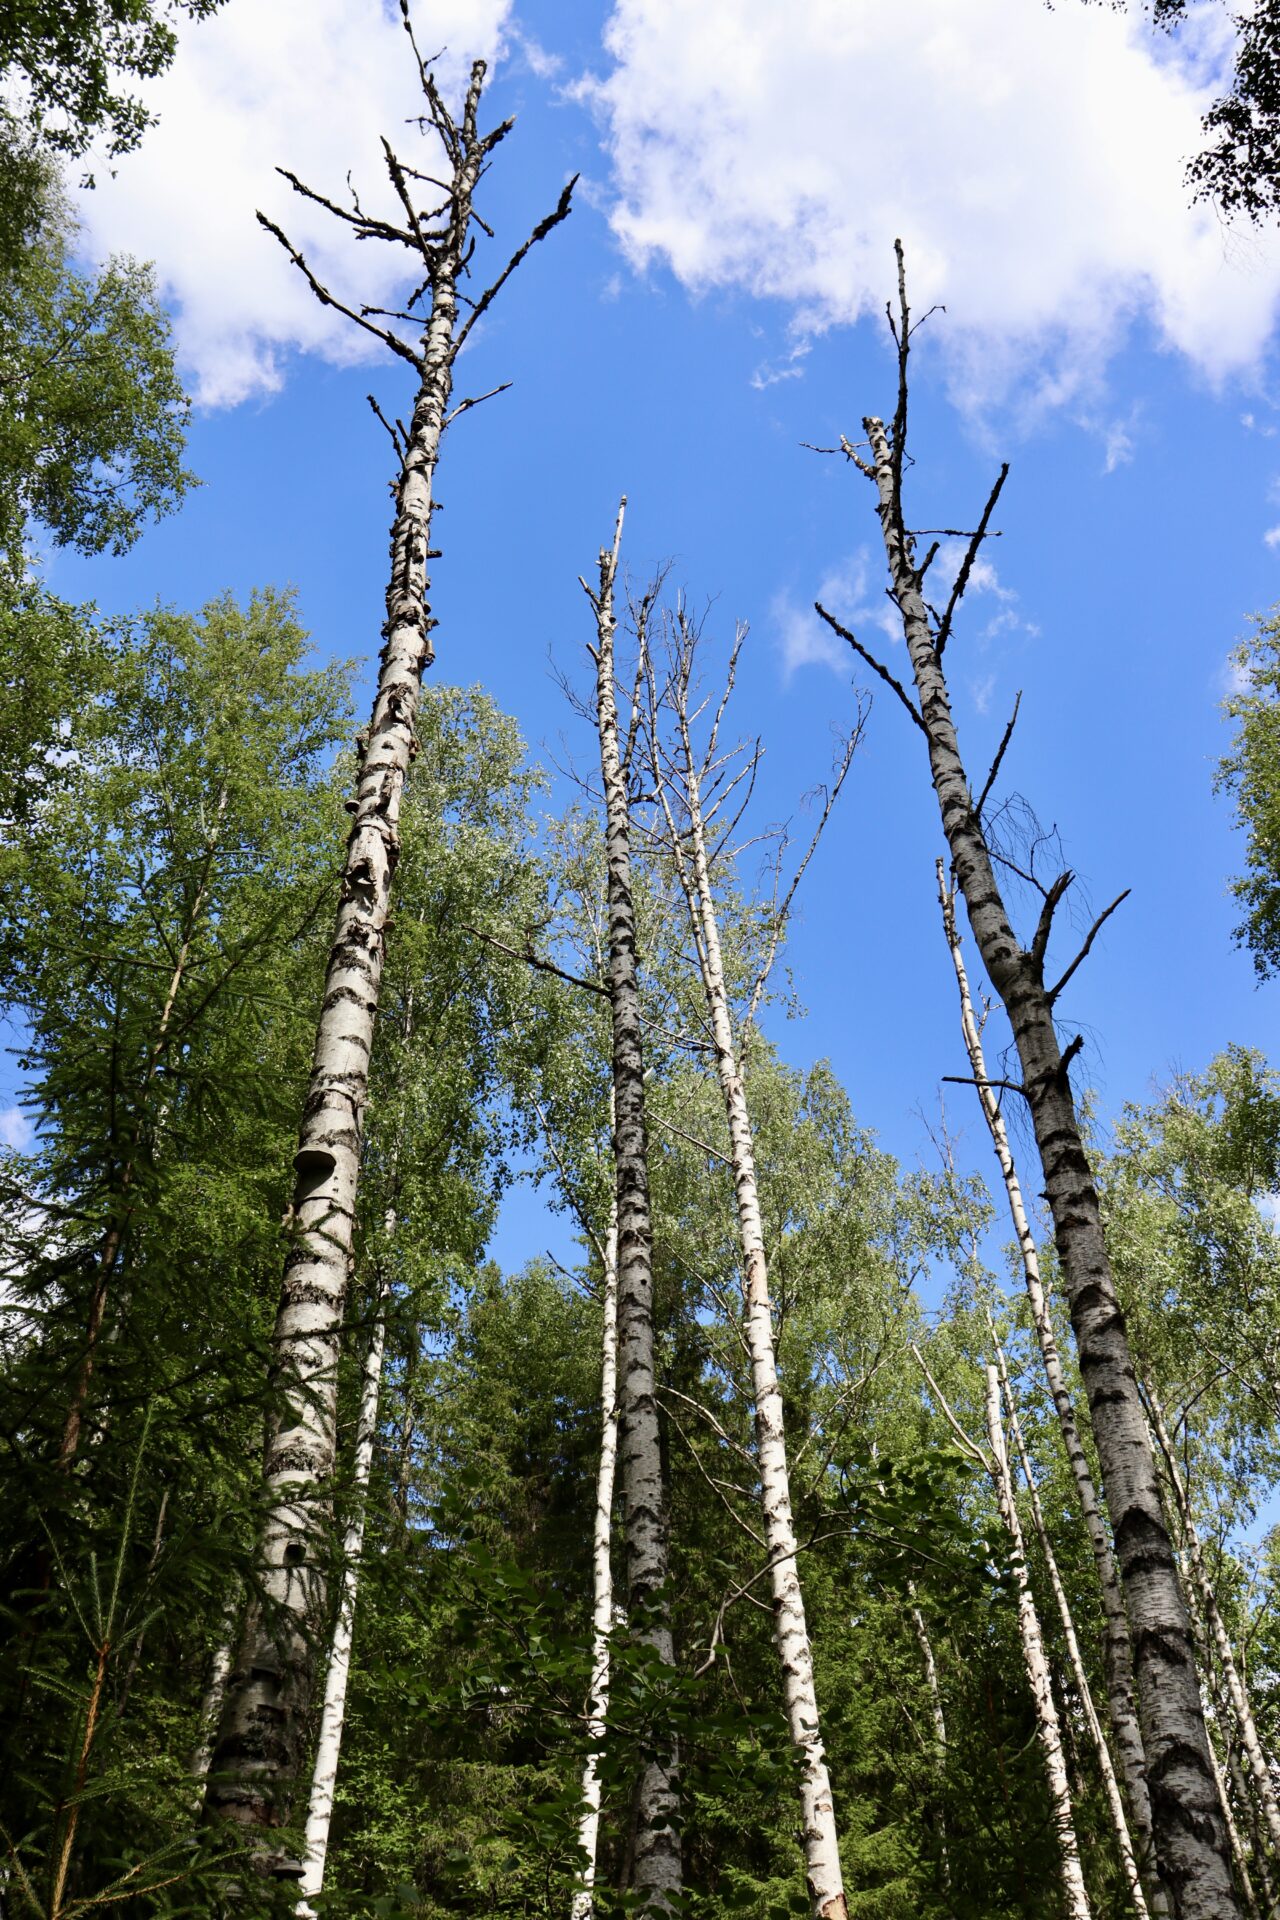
[602, 1578]
[1117, 1651]
[791, 1635]
[1237, 1692]
[1191, 1842]
[1047, 1725]
[658, 1867]
[1110, 1784]
[333, 1713]
[259, 1750]
[930, 1667]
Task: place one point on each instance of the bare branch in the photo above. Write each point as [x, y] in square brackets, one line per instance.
[873, 663]
[1040, 944]
[995, 764]
[829, 796]
[327, 299]
[712, 1153]
[966, 566]
[533, 959]
[540, 232]
[1090, 937]
[975, 1453]
[465, 406]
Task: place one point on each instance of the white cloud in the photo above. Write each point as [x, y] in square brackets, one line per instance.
[15, 1129]
[852, 594]
[1272, 537]
[306, 84]
[1032, 161]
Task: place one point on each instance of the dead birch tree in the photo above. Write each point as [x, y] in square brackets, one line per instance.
[994, 1462]
[1190, 1839]
[658, 1866]
[697, 793]
[1116, 1648]
[259, 1751]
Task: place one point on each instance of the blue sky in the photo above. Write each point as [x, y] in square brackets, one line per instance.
[711, 305]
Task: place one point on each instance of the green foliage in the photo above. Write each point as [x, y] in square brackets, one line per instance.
[69, 60]
[1250, 772]
[92, 426]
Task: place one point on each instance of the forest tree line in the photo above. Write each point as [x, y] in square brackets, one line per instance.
[829, 1537]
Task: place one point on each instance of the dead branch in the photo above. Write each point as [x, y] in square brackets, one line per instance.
[327, 299]
[540, 232]
[1090, 937]
[533, 959]
[966, 565]
[995, 764]
[873, 663]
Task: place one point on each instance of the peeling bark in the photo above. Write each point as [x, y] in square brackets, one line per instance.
[1116, 1649]
[1191, 1842]
[657, 1869]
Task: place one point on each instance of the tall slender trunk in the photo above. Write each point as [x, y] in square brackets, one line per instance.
[1191, 1843]
[657, 1865]
[1048, 1729]
[1240, 1788]
[1237, 1692]
[791, 1634]
[1110, 1784]
[259, 1750]
[324, 1772]
[1116, 1649]
[939, 1757]
[601, 1578]
[1239, 1852]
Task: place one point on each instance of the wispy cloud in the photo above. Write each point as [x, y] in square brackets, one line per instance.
[16, 1130]
[850, 593]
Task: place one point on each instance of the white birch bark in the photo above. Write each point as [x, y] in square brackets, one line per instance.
[657, 1865]
[1117, 1652]
[211, 1704]
[791, 1635]
[324, 1773]
[601, 1579]
[1110, 1784]
[259, 1750]
[930, 1666]
[1237, 1692]
[1239, 1787]
[1191, 1843]
[1048, 1728]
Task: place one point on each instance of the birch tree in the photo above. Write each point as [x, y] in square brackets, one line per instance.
[1117, 1650]
[695, 792]
[994, 1462]
[657, 1870]
[259, 1750]
[1191, 1844]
